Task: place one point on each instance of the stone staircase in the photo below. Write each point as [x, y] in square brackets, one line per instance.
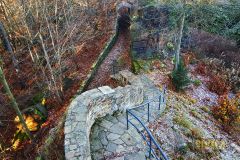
[110, 138]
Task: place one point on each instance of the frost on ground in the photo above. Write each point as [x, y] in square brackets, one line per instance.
[187, 123]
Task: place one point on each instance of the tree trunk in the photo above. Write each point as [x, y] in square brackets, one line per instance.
[179, 41]
[55, 88]
[7, 45]
[14, 103]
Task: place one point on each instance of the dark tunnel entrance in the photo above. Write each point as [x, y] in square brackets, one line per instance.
[124, 22]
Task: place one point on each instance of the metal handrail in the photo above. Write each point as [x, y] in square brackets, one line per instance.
[151, 138]
[145, 138]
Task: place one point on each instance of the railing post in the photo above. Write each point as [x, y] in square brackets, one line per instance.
[148, 111]
[150, 148]
[127, 118]
[164, 93]
[159, 102]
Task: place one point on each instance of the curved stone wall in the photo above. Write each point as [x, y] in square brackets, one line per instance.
[93, 104]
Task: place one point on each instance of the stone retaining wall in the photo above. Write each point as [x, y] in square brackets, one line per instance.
[93, 104]
[98, 62]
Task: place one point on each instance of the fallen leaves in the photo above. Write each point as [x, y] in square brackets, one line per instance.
[30, 122]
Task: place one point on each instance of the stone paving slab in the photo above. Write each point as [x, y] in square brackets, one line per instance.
[107, 142]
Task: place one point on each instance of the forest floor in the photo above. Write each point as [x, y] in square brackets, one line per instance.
[25, 86]
[78, 67]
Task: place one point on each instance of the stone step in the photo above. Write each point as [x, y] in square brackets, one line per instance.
[132, 156]
[135, 156]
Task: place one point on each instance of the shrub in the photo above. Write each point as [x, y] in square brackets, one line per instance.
[157, 64]
[205, 109]
[201, 68]
[189, 58]
[197, 133]
[218, 85]
[197, 82]
[141, 66]
[195, 114]
[228, 111]
[183, 121]
[179, 77]
[170, 46]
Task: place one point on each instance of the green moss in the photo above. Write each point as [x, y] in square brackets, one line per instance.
[38, 158]
[170, 46]
[141, 65]
[192, 100]
[205, 109]
[197, 82]
[183, 121]
[37, 98]
[195, 114]
[136, 67]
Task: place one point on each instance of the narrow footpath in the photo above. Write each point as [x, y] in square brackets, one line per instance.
[119, 53]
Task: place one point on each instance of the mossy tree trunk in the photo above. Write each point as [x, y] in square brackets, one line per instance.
[13, 102]
[179, 40]
[182, 4]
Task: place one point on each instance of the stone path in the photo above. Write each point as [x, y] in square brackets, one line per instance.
[110, 138]
[121, 48]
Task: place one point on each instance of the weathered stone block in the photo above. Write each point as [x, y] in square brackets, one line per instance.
[67, 129]
[106, 90]
[113, 136]
[72, 147]
[111, 147]
[69, 155]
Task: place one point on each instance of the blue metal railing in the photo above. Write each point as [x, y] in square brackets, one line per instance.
[150, 141]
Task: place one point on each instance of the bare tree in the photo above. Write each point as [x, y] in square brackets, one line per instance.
[14, 103]
[179, 40]
[49, 31]
[7, 45]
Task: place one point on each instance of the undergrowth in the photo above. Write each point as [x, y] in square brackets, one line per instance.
[228, 111]
[180, 78]
[218, 84]
[201, 68]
